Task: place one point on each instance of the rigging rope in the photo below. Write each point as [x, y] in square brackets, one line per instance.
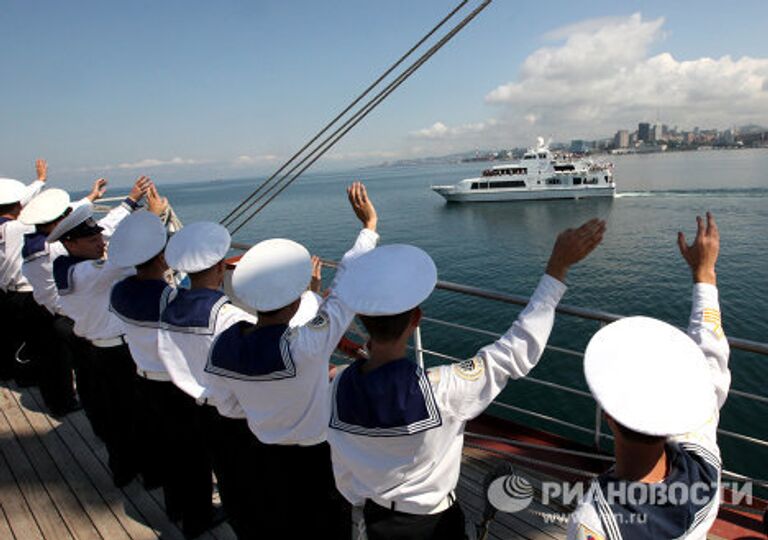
[229, 218]
[327, 143]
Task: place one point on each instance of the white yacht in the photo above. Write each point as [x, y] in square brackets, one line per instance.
[539, 175]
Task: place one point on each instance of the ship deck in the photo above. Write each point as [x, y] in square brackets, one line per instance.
[55, 484]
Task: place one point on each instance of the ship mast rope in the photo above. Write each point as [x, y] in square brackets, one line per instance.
[279, 181]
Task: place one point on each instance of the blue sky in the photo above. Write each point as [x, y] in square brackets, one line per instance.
[190, 90]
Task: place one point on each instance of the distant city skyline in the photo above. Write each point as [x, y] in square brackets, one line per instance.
[189, 90]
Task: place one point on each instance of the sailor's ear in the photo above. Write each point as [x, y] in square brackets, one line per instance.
[416, 315]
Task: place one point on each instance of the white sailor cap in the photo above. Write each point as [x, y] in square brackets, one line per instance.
[272, 274]
[649, 376]
[11, 191]
[137, 239]
[78, 223]
[45, 207]
[197, 247]
[387, 280]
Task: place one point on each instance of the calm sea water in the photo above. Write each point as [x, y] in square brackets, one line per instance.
[504, 247]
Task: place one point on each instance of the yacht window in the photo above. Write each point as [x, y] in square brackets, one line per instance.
[577, 181]
[553, 181]
[606, 179]
[508, 184]
[542, 156]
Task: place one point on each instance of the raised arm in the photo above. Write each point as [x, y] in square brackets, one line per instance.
[705, 326]
[131, 203]
[466, 389]
[324, 332]
[41, 168]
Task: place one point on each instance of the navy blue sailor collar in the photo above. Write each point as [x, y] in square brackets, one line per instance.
[34, 245]
[63, 267]
[140, 301]
[392, 400]
[194, 311]
[4, 219]
[252, 354]
[666, 519]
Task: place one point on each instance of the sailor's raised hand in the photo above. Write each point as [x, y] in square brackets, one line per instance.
[573, 245]
[317, 274]
[155, 203]
[362, 205]
[701, 256]
[41, 168]
[98, 189]
[140, 188]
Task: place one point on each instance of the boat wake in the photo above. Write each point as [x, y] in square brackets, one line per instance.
[745, 192]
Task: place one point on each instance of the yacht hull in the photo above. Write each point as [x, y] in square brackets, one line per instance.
[501, 195]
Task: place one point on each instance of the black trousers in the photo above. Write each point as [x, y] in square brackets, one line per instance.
[20, 325]
[55, 375]
[386, 524]
[181, 459]
[237, 459]
[112, 375]
[302, 477]
[86, 380]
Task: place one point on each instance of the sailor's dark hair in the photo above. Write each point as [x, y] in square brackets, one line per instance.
[387, 328]
[8, 208]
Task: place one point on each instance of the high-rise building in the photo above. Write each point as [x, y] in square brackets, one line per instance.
[621, 139]
[579, 146]
[644, 132]
[657, 133]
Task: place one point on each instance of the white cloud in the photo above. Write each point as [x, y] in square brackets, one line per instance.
[245, 161]
[439, 130]
[146, 163]
[601, 75]
[151, 162]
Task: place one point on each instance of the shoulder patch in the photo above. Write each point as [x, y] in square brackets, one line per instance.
[585, 533]
[319, 322]
[470, 370]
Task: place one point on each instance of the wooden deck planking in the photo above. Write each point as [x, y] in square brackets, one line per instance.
[67, 504]
[18, 516]
[149, 503]
[33, 490]
[91, 500]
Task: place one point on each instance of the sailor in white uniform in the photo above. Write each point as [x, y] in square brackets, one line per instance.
[84, 280]
[188, 325]
[396, 430]
[180, 462]
[661, 390]
[53, 329]
[15, 291]
[279, 373]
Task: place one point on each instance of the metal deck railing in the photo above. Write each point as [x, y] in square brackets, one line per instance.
[602, 317]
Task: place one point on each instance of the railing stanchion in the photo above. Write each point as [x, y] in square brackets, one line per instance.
[417, 347]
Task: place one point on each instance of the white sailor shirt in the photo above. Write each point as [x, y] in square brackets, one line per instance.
[397, 432]
[12, 233]
[279, 374]
[694, 458]
[37, 267]
[138, 304]
[188, 325]
[84, 286]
